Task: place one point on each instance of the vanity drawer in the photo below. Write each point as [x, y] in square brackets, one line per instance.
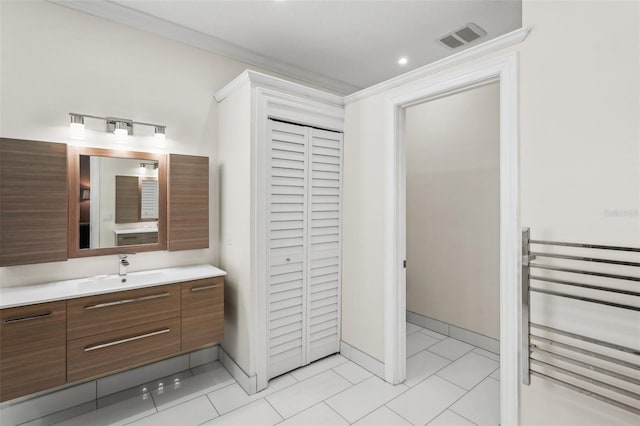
[202, 312]
[93, 315]
[98, 355]
[129, 239]
[148, 237]
[138, 238]
[32, 349]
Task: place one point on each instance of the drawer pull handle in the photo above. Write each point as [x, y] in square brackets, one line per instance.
[27, 318]
[123, 301]
[128, 339]
[205, 287]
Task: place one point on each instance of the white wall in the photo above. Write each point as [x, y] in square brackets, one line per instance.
[235, 224]
[453, 209]
[55, 60]
[579, 172]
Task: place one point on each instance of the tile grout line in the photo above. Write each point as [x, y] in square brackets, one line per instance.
[273, 408]
[266, 395]
[454, 411]
[452, 360]
[462, 396]
[369, 412]
[330, 396]
[481, 354]
[335, 411]
[481, 380]
[214, 405]
[384, 404]
[231, 411]
[398, 414]
[435, 372]
[214, 409]
[440, 339]
[353, 384]
[95, 405]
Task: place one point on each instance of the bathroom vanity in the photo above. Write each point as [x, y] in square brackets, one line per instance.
[77, 330]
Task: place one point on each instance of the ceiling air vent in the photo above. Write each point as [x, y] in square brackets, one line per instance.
[463, 35]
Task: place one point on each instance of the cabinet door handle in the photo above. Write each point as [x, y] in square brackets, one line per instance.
[123, 301]
[205, 287]
[27, 318]
[126, 340]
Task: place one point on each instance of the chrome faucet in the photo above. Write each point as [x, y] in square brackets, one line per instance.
[123, 265]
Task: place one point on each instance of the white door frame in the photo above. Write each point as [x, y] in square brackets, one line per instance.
[504, 70]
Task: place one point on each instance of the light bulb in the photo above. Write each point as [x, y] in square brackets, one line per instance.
[76, 126]
[159, 133]
[120, 130]
[403, 61]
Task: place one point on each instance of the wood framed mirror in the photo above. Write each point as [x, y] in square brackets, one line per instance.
[117, 201]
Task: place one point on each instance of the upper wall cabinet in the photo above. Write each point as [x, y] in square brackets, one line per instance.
[188, 202]
[33, 202]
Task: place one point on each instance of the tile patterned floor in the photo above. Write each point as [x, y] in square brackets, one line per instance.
[448, 383]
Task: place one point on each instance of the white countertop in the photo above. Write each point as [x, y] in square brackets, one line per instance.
[39, 293]
[135, 230]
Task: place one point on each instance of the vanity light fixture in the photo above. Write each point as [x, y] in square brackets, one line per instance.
[143, 166]
[121, 127]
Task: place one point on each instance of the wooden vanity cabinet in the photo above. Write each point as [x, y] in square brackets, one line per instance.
[188, 202]
[32, 348]
[115, 331]
[33, 196]
[202, 313]
[49, 344]
[118, 350]
[93, 315]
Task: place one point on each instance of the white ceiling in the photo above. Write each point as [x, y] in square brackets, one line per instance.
[341, 45]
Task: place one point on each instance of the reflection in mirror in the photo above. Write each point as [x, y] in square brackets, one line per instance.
[118, 202]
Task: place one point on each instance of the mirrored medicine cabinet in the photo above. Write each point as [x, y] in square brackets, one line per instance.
[117, 201]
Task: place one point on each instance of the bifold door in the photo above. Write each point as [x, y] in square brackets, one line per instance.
[304, 245]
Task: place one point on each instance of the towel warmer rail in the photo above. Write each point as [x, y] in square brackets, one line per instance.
[604, 370]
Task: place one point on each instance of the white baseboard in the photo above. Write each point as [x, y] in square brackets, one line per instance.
[30, 407]
[248, 383]
[487, 343]
[362, 359]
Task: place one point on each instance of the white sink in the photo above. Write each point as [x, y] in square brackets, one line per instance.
[60, 290]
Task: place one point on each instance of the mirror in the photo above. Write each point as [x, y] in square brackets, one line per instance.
[120, 204]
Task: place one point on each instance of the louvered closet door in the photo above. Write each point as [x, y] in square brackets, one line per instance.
[286, 245]
[324, 249]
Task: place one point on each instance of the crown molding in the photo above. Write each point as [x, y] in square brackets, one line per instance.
[264, 80]
[124, 15]
[506, 40]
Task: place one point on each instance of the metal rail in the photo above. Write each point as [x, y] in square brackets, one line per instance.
[611, 363]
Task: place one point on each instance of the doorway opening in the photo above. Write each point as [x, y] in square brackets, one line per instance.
[452, 209]
[503, 73]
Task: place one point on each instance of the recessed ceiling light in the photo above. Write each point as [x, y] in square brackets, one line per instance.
[403, 61]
